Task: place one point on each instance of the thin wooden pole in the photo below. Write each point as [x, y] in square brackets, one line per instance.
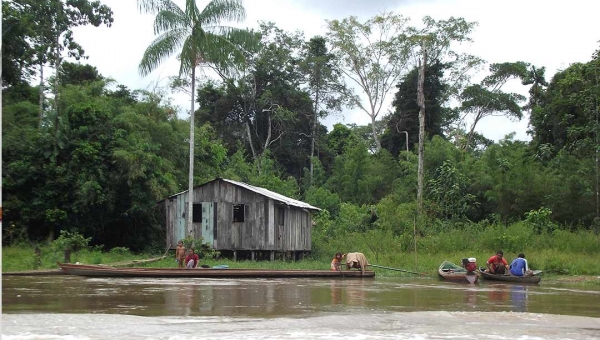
[415, 237]
[397, 269]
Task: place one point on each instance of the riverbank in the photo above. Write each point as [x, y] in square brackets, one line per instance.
[576, 279]
[558, 267]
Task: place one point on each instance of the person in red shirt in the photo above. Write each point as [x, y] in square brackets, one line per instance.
[497, 264]
[336, 262]
[192, 260]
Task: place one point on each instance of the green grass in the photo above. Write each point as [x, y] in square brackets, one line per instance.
[553, 263]
[21, 257]
[558, 254]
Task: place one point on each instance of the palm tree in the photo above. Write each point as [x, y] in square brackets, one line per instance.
[199, 38]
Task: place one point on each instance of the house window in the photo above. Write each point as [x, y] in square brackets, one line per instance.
[281, 215]
[197, 213]
[238, 212]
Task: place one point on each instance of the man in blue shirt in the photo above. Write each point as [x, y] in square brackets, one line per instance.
[519, 267]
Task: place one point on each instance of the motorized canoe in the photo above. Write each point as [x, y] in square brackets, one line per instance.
[107, 271]
[452, 272]
[511, 278]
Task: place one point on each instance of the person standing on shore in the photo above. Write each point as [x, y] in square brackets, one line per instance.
[180, 254]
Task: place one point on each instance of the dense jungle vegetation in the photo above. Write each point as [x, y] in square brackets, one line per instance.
[81, 152]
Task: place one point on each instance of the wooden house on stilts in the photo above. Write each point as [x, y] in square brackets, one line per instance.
[241, 220]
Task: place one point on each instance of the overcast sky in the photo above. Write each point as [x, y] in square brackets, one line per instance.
[550, 33]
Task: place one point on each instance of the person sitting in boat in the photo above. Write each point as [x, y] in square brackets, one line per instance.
[519, 267]
[356, 260]
[497, 264]
[192, 260]
[336, 262]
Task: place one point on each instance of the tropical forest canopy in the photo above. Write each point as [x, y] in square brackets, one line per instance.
[83, 152]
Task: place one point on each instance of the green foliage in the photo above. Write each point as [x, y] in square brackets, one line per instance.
[203, 249]
[324, 199]
[406, 110]
[360, 177]
[565, 114]
[70, 241]
[99, 166]
[380, 241]
[397, 218]
[448, 192]
[120, 250]
[540, 220]
[350, 219]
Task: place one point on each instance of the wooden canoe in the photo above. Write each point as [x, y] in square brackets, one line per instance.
[107, 271]
[451, 272]
[511, 278]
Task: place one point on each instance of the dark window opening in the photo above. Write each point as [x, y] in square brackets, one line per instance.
[281, 215]
[197, 213]
[238, 212]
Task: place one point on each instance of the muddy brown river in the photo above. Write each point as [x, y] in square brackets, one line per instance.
[71, 307]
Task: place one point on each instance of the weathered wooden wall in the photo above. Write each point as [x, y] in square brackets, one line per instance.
[172, 221]
[261, 229]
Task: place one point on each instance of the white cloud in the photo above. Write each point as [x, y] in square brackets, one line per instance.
[546, 33]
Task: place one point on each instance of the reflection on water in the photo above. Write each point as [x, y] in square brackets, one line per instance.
[73, 307]
[281, 297]
[518, 296]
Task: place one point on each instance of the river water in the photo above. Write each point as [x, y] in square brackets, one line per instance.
[71, 307]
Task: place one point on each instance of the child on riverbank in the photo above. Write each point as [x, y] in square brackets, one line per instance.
[336, 262]
[180, 254]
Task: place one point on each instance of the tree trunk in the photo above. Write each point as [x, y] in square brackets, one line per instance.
[596, 136]
[41, 89]
[312, 134]
[421, 102]
[377, 142]
[191, 171]
[249, 133]
[56, 84]
[67, 256]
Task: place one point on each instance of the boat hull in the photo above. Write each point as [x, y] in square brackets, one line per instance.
[459, 277]
[511, 278]
[105, 271]
[456, 274]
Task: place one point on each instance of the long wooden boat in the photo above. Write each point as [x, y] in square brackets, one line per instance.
[107, 271]
[451, 272]
[511, 278]
[43, 272]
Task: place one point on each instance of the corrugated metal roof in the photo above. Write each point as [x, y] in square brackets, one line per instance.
[265, 192]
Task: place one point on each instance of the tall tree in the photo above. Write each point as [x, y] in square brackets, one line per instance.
[433, 43]
[199, 38]
[17, 52]
[406, 110]
[566, 116]
[373, 55]
[323, 86]
[36, 33]
[55, 20]
[264, 101]
[488, 99]
[421, 102]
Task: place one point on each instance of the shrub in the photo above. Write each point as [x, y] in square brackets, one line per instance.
[120, 251]
[201, 248]
[540, 220]
[69, 242]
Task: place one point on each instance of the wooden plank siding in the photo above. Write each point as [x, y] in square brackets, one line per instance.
[262, 228]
